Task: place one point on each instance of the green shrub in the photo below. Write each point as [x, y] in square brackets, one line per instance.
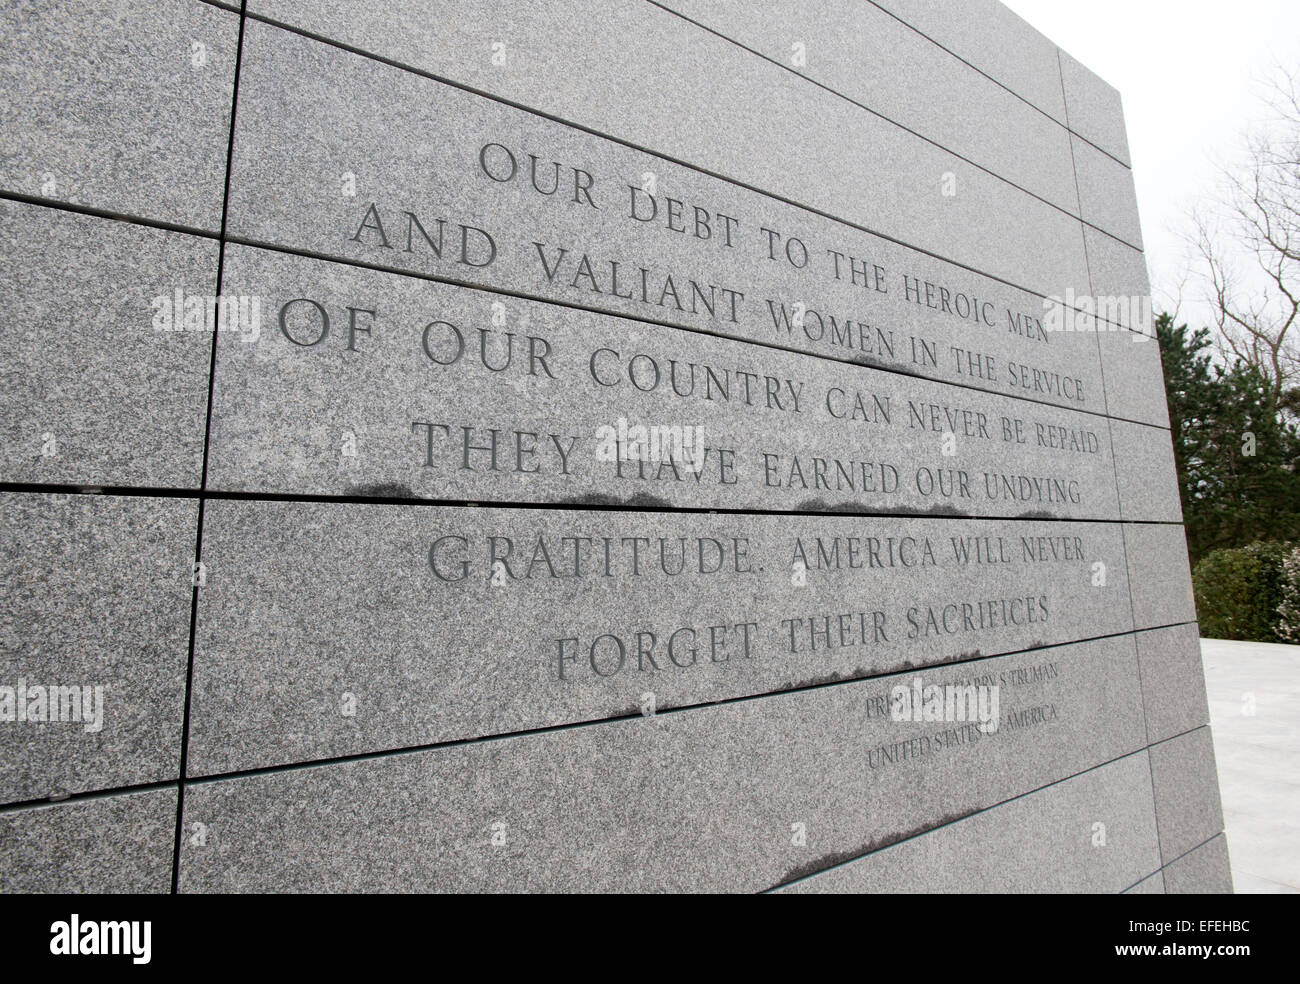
[1288, 612]
[1240, 591]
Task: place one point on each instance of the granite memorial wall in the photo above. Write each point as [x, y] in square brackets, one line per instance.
[683, 446]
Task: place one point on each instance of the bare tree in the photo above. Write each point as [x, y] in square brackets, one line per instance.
[1248, 239]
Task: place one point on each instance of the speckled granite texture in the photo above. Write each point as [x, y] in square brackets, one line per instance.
[482, 446]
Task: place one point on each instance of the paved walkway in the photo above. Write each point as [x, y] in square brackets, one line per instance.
[1258, 758]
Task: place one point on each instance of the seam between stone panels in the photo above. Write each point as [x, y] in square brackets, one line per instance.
[951, 823]
[758, 343]
[21, 805]
[1119, 496]
[1078, 197]
[1161, 870]
[1142, 690]
[107, 792]
[1098, 147]
[1161, 628]
[1202, 727]
[1181, 734]
[967, 63]
[893, 122]
[998, 82]
[1141, 880]
[103, 213]
[698, 169]
[1087, 265]
[994, 806]
[203, 477]
[20, 488]
[573, 305]
[598, 722]
[1190, 850]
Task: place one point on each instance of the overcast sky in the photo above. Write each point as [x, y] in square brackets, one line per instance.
[1188, 72]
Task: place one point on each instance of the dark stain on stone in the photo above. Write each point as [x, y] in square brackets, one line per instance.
[644, 500]
[639, 501]
[595, 499]
[940, 511]
[870, 363]
[817, 681]
[382, 490]
[1037, 514]
[870, 847]
[907, 665]
[821, 506]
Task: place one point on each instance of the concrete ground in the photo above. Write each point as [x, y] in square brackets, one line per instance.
[1258, 757]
